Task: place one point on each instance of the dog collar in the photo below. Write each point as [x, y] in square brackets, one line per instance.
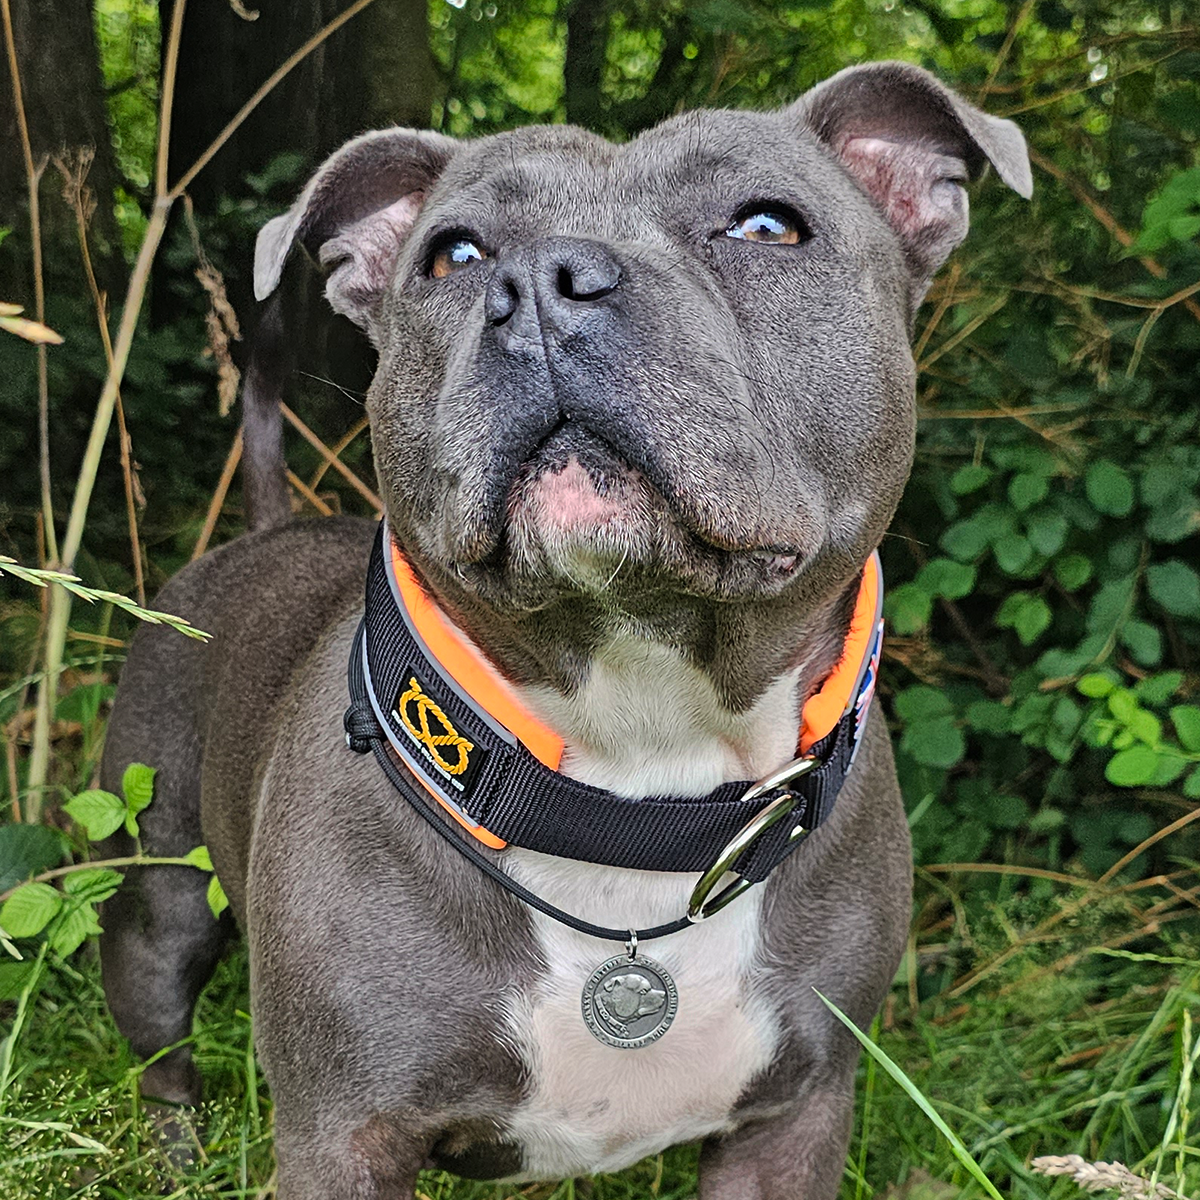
[445, 727]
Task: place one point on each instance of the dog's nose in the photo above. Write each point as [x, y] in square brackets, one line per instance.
[547, 282]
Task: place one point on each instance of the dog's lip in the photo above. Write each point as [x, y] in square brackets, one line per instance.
[783, 557]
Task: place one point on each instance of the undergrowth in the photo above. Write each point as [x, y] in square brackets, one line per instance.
[1079, 1041]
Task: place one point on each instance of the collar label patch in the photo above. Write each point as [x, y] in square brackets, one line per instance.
[451, 757]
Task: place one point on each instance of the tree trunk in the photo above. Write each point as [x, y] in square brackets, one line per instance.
[65, 108]
[583, 66]
[376, 70]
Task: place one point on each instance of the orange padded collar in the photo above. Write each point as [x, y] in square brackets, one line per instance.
[464, 663]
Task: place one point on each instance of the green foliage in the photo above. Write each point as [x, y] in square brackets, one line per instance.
[68, 916]
[1174, 214]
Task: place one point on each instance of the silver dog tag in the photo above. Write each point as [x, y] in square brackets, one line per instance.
[629, 1002]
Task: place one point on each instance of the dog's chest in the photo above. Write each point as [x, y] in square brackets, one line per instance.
[591, 1107]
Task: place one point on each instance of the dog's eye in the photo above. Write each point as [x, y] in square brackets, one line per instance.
[454, 256]
[769, 226]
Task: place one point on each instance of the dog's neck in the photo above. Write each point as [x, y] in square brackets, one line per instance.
[646, 722]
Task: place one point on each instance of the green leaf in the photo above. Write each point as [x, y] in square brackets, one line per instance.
[1173, 524]
[218, 902]
[1144, 642]
[1028, 614]
[1046, 531]
[1033, 620]
[1108, 607]
[920, 703]
[1046, 820]
[1172, 214]
[947, 578]
[1026, 490]
[27, 850]
[914, 1093]
[99, 812]
[137, 786]
[200, 858]
[1186, 719]
[1175, 586]
[965, 540]
[1109, 488]
[74, 927]
[13, 978]
[1123, 705]
[935, 743]
[1013, 553]
[1133, 767]
[1007, 812]
[1158, 689]
[908, 609]
[1146, 727]
[1191, 785]
[92, 884]
[988, 716]
[1072, 571]
[30, 909]
[1170, 767]
[969, 479]
[1096, 685]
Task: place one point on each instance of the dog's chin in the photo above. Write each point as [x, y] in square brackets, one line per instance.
[593, 526]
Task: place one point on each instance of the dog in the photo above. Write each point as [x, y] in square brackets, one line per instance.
[642, 415]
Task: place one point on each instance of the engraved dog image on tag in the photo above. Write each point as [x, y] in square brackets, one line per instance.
[629, 1002]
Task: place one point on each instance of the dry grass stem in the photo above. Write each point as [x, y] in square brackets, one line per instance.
[309, 494]
[80, 200]
[268, 85]
[220, 321]
[332, 459]
[218, 499]
[1103, 1177]
[1122, 235]
[31, 331]
[337, 449]
[60, 606]
[33, 177]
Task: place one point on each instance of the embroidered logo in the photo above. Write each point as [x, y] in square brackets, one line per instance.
[426, 723]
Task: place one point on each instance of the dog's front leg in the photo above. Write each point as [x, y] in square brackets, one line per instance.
[375, 1161]
[797, 1157]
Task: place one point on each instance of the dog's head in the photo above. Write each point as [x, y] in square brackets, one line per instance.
[632, 382]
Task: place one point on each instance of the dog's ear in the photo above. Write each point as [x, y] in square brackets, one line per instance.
[911, 144]
[354, 216]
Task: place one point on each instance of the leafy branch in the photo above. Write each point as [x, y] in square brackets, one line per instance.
[69, 915]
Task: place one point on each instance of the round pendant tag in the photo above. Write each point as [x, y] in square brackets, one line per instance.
[629, 1002]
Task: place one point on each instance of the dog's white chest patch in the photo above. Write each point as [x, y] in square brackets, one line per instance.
[592, 1107]
[595, 1108]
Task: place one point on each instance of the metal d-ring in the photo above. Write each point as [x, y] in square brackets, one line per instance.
[700, 907]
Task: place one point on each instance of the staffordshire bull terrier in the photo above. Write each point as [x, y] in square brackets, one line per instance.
[641, 417]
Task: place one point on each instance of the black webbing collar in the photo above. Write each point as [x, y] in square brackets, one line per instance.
[433, 741]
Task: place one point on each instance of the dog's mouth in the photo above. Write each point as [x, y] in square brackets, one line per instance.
[578, 515]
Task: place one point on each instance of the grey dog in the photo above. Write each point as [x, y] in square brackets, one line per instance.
[642, 413]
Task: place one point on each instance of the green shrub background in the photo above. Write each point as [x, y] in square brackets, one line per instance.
[1041, 671]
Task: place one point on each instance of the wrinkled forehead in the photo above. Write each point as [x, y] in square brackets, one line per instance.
[566, 180]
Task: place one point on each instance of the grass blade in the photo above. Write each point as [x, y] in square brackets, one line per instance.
[914, 1093]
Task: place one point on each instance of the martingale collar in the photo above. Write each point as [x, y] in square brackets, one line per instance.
[423, 699]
